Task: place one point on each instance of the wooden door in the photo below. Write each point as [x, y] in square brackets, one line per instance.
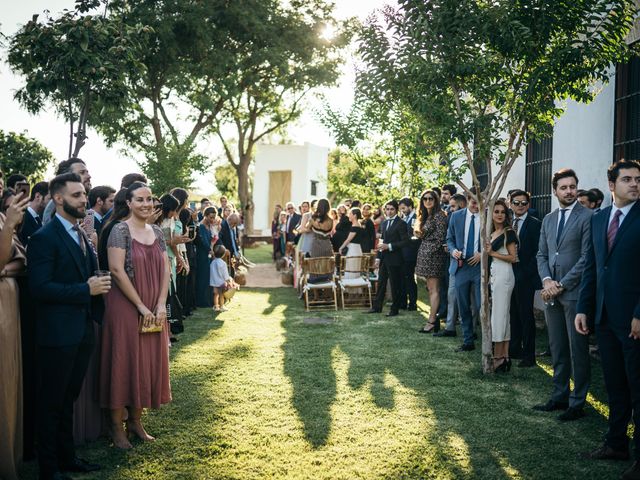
[279, 190]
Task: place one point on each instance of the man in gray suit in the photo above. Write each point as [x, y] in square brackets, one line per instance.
[562, 253]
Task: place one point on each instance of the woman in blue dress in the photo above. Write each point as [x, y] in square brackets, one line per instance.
[204, 240]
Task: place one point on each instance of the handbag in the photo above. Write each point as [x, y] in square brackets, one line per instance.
[152, 328]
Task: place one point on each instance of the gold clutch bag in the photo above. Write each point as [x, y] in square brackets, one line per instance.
[153, 328]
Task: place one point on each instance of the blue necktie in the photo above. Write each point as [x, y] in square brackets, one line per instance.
[471, 238]
[560, 225]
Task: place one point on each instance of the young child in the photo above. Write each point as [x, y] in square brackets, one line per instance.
[219, 278]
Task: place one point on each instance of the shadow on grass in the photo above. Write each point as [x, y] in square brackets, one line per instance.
[483, 425]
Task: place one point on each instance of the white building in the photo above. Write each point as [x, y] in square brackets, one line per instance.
[286, 173]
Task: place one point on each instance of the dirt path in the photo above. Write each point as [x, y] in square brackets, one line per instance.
[264, 275]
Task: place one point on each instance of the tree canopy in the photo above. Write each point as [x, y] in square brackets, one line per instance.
[22, 154]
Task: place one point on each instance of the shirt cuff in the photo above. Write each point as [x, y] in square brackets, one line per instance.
[390, 248]
[546, 278]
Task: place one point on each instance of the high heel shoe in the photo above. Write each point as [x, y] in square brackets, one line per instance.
[507, 362]
[503, 367]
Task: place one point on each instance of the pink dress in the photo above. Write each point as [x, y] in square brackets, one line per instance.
[134, 367]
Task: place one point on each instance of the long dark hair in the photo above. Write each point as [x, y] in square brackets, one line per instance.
[322, 210]
[423, 213]
[169, 204]
[507, 216]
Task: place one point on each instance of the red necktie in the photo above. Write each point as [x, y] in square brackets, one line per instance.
[613, 228]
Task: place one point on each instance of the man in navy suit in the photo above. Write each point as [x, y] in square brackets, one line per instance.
[32, 220]
[68, 296]
[610, 299]
[394, 239]
[463, 242]
[410, 256]
[523, 324]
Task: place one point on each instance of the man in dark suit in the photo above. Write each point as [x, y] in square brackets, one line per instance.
[610, 298]
[463, 242]
[523, 325]
[562, 254]
[409, 292]
[394, 239]
[32, 220]
[227, 235]
[100, 202]
[293, 219]
[69, 297]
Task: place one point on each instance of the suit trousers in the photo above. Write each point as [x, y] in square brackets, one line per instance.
[393, 274]
[523, 323]
[620, 357]
[569, 354]
[467, 283]
[409, 287]
[61, 372]
[452, 302]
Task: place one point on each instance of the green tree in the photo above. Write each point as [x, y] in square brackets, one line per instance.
[487, 75]
[21, 154]
[283, 56]
[71, 61]
[227, 182]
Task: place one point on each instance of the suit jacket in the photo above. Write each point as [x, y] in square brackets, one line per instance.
[565, 261]
[610, 280]
[295, 220]
[29, 227]
[410, 252]
[58, 274]
[397, 237]
[456, 238]
[225, 235]
[526, 268]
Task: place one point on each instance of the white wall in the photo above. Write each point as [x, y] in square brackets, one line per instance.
[307, 162]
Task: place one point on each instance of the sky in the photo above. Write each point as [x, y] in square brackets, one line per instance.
[107, 166]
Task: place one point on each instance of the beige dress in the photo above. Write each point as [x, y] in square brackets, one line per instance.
[10, 369]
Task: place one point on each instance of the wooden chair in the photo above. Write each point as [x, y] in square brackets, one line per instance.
[353, 280]
[324, 266]
[373, 273]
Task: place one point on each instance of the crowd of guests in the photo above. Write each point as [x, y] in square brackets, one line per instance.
[94, 287]
[581, 258]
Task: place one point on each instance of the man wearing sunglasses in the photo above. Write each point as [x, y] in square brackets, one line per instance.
[523, 325]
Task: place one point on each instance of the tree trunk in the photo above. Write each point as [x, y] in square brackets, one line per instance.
[485, 304]
[244, 195]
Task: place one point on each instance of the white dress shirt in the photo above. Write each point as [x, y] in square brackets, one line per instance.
[520, 222]
[567, 213]
[625, 210]
[467, 224]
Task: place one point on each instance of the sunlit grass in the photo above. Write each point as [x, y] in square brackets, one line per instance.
[259, 393]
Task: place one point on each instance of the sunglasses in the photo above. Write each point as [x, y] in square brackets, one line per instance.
[428, 199]
[517, 203]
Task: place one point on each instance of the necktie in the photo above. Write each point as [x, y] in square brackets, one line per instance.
[613, 228]
[38, 220]
[560, 225]
[471, 238]
[516, 222]
[83, 246]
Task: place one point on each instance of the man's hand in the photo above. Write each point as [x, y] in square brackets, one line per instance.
[383, 247]
[581, 324]
[552, 287]
[99, 285]
[635, 329]
[475, 259]
[457, 254]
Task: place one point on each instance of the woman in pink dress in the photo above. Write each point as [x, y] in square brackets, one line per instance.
[134, 370]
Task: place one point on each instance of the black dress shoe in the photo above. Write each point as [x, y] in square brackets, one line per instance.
[54, 476]
[392, 314]
[550, 406]
[412, 308]
[466, 348]
[633, 472]
[526, 363]
[81, 466]
[373, 310]
[445, 333]
[605, 452]
[572, 413]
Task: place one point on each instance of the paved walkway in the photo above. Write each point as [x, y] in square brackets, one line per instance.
[264, 275]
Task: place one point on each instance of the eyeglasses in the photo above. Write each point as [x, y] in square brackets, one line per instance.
[428, 199]
[517, 203]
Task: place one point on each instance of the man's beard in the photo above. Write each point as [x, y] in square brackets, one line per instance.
[74, 212]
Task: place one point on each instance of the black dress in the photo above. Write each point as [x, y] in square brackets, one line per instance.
[369, 239]
[342, 231]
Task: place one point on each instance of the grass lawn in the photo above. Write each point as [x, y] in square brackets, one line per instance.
[260, 254]
[260, 393]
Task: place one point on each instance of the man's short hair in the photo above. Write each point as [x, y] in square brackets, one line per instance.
[209, 210]
[355, 204]
[614, 170]
[393, 202]
[451, 188]
[406, 201]
[563, 173]
[129, 178]
[460, 199]
[591, 197]
[102, 192]
[65, 165]
[204, 200]
[471, 192]
[519, 193]
[42, 188]
[13, 179]
[438, 191]
[60, 181]
[598, 193]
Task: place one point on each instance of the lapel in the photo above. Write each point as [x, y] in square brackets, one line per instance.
[599, 233]
[73, 247]
[459, 227]
[523, 228]
[575, 213]
[631, 216]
